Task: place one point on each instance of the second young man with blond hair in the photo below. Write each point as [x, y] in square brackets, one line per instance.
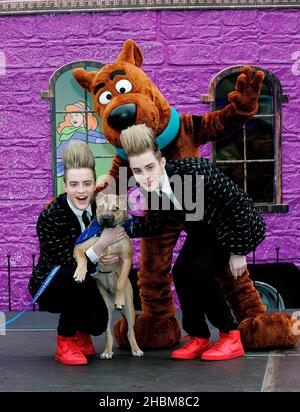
[229, 228]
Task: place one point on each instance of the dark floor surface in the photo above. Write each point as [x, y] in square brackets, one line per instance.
[27, 364]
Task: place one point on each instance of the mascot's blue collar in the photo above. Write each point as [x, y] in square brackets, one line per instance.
[166, 137]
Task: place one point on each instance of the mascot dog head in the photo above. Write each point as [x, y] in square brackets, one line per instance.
[123, 95]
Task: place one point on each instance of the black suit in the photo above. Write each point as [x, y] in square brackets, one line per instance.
[228, 211]
[80, 304]
[231, 224]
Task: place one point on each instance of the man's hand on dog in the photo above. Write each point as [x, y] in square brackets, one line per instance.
[109, 259]
[111, 236]
[108, 237]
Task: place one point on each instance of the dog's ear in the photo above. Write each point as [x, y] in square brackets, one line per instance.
[84, 78]
[122, 202]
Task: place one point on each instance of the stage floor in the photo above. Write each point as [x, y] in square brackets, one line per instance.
[27, 364]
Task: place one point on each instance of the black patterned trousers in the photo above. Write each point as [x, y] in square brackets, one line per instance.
[81, 306]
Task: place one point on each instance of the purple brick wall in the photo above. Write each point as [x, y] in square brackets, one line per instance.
[183, 50]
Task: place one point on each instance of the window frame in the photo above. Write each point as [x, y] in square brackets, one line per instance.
[278, 98]
[50, 95]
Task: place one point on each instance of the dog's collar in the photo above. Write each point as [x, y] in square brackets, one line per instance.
[166, 137]
[94, 229]
[100, 271]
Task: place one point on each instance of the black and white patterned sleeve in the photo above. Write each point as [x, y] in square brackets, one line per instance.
[52, 246]
[239, 226]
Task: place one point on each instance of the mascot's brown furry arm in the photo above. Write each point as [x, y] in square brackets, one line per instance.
[123, 95]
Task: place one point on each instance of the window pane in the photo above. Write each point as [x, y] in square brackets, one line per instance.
[103, 165]
[94, 128]
[265, 100]
[67, 90]
[259, 132]
[234, 171]
[266, 105]
[260, 138]
[261, 182]
[70, 125]
[226, 85]
[74, 119]
[231, 148]
[88, 95]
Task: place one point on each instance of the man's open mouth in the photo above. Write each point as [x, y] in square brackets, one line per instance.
[81, 199]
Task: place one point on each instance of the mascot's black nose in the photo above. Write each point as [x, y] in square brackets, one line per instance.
[122, 116]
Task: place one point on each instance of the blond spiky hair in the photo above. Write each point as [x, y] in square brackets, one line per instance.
[139, 139]
[76, 155]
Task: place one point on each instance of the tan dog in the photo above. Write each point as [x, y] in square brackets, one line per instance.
[112, 280]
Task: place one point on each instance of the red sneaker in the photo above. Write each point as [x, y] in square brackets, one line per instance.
[229, 346]
[68, 353]
[192, 349]
[85, 343]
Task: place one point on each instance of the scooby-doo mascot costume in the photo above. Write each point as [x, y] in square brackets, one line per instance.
[123, 95]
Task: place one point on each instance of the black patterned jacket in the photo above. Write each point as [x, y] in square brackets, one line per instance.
[228, 210]
[57, 229]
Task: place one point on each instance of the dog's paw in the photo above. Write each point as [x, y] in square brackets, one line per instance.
[79, 275]
[138, 353]
[120, 301]
[106, 355]
[119, 307]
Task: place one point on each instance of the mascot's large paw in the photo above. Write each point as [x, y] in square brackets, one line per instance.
[247, 90]
[276, 330]
[151, 332]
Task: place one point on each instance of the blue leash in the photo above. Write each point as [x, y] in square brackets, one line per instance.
[45, 284]
[94, 229]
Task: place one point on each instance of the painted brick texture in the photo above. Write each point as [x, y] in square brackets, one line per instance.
[183, 50]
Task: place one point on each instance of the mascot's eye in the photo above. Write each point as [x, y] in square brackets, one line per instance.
[105, 97]
[123, 86]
